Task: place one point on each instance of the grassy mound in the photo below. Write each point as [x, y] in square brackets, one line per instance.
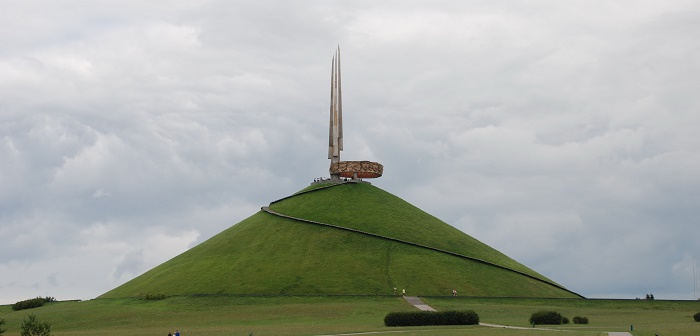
[267, 254]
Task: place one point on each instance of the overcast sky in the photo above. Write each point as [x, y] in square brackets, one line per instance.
[562, 133]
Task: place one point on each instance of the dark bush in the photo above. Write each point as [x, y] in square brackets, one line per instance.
[546, 317]
[697, 317]
[580, 320]
[28, 304]
[423, 318]
[32, 327]
[154, 297]
[565, 320]
[2, 322]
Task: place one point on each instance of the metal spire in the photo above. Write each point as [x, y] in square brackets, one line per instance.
[335, 129]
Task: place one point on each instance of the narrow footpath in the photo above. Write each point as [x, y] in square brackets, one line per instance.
[416, 302]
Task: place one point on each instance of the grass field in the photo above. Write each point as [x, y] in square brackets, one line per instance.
[230, 315]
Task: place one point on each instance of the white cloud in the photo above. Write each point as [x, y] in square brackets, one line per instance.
[130, 131]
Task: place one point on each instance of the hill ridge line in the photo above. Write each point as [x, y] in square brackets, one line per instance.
[274, 213]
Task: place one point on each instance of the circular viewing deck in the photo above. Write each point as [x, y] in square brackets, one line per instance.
[357, 169]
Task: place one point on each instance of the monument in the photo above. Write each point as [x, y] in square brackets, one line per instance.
[354, 170]
[301, 245]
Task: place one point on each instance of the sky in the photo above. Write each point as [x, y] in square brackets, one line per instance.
[562, 133]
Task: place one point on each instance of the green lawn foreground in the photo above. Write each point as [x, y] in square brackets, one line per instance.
[279, 315]
[649, 317]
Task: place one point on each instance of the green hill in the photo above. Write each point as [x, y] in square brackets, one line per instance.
[350, 238]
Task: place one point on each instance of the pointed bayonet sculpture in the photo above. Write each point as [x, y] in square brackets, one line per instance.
[347, 169]
[335, 130]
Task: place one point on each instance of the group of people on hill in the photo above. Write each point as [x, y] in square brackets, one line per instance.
[321, 179]
[176, 333]
[403, 291]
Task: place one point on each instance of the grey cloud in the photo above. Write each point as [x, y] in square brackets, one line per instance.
[131, 265]
[562, 135]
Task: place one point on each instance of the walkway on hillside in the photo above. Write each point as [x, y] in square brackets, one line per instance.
[416, 302]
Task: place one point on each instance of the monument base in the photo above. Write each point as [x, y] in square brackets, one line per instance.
[356, 169]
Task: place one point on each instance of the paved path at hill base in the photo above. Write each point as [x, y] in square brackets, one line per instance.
[416, 302]
[519, 328]
[623, 333]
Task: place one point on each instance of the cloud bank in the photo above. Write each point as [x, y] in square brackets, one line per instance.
[563, 134]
